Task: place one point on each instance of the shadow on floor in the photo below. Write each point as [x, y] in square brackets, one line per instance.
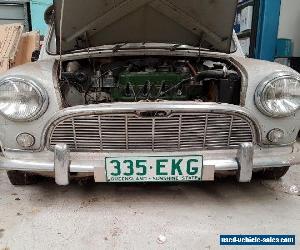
[224, 190]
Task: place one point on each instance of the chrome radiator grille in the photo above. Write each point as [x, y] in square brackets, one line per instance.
[129, 132]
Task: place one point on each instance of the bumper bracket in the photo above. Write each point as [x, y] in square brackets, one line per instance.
[62, 164]
[245, 162]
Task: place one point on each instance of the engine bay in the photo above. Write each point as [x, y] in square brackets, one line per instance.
[128, 79]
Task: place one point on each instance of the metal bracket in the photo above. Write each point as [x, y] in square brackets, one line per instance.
[245, 162]
[62, 164]
[208, 173]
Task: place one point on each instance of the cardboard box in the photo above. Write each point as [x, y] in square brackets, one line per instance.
[29, 42]
[245, 44]
[246, 18]
[10, 36]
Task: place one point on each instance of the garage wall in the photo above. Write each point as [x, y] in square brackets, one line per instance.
[289, 24]
[38, 8]
[15, 11]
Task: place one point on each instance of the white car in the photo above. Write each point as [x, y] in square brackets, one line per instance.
[146, 91]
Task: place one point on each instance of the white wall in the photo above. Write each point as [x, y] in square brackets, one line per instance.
[289, 24]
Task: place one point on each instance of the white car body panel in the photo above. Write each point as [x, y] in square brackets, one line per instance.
[40, 159]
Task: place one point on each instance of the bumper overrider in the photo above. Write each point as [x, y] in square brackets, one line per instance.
[62, 160]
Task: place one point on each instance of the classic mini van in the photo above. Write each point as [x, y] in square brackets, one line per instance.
[146, 91]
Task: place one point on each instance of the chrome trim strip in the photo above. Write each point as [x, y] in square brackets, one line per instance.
[100, 133]
[74, 134]
[126, 133]
[230, 130]
[205, 130]
[153, 133]
[133, 108]
[179, 131]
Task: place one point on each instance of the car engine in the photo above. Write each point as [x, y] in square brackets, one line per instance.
[104, 80]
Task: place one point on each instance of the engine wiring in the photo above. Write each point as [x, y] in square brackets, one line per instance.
[149, 79]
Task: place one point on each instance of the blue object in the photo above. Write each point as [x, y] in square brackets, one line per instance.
[257, 240]
[37, 8]
[237, 28]
[284, 48]
[268, 29]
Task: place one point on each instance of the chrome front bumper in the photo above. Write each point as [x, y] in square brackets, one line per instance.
[244, 161]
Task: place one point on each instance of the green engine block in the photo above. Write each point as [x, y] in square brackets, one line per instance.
[135, 86]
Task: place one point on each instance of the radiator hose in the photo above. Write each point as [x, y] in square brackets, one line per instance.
[216, 74]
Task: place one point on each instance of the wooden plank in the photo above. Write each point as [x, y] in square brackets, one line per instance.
[9, 40]
[29, 42]
[4, 65]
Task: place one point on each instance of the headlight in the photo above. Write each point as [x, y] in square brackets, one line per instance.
[22, 100]
[279, 95]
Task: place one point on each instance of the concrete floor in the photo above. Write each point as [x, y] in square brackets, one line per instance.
[108, 216]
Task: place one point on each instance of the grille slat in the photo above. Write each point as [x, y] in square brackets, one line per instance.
[196, 131]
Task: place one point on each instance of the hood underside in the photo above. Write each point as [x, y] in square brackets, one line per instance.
[92, 23]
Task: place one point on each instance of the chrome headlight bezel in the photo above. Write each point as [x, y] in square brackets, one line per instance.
[264, 85]
[39, 90]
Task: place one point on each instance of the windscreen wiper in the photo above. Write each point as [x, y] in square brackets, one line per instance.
[175, 47]
[178, 46]
[117, 47]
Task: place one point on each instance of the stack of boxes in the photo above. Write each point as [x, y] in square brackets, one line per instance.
[243, 24]
[284, 51]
